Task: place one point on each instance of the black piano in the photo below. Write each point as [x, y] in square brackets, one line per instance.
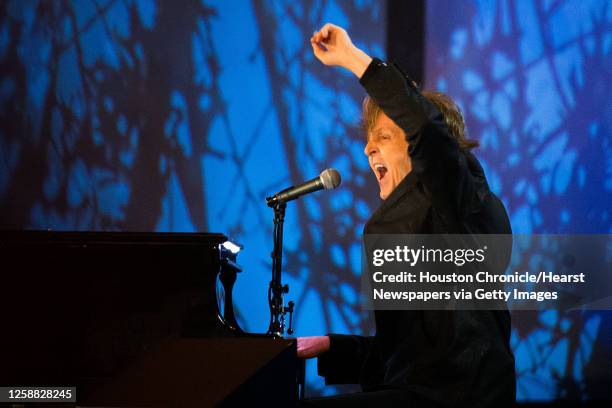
[134, 319]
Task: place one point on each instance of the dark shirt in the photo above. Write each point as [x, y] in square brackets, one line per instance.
[452, 358]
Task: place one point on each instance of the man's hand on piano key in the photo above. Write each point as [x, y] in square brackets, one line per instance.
[309, 347]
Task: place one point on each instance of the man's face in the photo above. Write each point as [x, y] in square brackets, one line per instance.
[387, 152]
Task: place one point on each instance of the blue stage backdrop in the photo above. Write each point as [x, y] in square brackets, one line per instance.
[533, 79]
[182, 116]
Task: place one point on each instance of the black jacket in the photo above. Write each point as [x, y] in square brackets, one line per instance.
[453, 358]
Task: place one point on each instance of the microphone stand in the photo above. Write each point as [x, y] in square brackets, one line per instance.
[276, 289]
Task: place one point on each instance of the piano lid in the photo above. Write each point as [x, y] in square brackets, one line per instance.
[110, 237]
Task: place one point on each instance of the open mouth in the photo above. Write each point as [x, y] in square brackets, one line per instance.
[380, 170]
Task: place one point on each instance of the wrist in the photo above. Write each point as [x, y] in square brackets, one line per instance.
[358, 61]
[326, 343]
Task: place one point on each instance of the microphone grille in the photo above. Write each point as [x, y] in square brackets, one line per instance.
[330, 178]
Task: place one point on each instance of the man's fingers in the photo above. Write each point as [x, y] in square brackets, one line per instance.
[318, 52]
[327, 29]
[319, 47]
[325, 43]
[324, 32]
[315, 48]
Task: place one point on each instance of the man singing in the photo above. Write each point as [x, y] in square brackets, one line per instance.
[430, 183]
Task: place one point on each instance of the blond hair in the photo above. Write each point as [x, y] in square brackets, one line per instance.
[450, 111]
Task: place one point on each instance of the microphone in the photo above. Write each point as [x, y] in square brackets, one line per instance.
[328, 179]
